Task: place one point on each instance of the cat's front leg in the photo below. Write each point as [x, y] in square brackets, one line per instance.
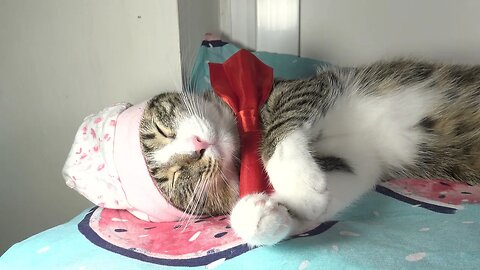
[299, 201]
[299, 182]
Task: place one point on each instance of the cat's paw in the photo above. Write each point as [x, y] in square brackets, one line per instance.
[260, 220]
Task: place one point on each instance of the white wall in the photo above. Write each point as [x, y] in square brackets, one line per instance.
[195, 19]
[360, 31]
[59, 61]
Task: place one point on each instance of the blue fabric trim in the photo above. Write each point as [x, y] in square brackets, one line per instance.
[435, 208]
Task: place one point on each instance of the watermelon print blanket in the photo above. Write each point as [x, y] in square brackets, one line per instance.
[428, 225]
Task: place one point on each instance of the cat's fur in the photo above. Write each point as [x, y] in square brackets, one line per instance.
[326, 141]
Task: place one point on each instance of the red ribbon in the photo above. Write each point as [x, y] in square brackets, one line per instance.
[244, 83]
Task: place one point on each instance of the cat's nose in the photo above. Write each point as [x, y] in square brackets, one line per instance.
[199, 144]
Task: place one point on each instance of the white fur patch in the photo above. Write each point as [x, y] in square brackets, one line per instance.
[212, 125]
[298, 181]
[259, 220]
[369, 133]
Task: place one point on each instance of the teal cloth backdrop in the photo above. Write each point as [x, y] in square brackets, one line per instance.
[284, 66]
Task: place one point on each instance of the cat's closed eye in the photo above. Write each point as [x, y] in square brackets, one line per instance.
[164, 132]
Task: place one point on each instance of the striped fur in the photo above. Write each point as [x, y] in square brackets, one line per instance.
[450, 148]
[192, 181]
[428, 127]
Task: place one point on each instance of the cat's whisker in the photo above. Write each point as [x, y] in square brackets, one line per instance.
[192, 102]
[201, 198]
[225, 180]
[190, 202]
[196, 196]
[218, 195]
[200, 113]
[187, 102]
[194, 200]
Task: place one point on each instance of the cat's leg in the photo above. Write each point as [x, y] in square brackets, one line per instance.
[305, 196]
[298, 180]
[300, 196]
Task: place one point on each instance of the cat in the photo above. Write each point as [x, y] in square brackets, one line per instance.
[326, 141]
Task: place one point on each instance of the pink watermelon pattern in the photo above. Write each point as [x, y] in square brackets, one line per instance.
[436, 191]
[209, 240]
[202, 242]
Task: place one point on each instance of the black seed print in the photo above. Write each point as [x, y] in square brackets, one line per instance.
[442, 196]
[218, 235]
[149, 228]
[223, 218]
[120, 230]
[445, 184]
[228, 227]
[200, 220]
[177, 226]
[466, 192]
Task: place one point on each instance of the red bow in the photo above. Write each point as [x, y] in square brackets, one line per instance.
[244, 83]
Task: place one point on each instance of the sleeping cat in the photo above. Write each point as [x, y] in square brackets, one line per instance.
[326, 141]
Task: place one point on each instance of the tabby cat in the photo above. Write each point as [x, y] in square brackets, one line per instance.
[326, 141]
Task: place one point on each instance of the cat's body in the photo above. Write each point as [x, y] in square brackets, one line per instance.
[329, 139]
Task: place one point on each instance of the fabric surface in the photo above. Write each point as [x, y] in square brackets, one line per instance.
[386, 229]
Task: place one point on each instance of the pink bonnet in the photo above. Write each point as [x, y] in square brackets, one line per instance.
[106, 165]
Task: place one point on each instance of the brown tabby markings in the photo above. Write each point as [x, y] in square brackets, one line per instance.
[183, 173]
[451, 149]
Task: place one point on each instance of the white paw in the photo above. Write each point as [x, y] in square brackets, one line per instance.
[259, 220]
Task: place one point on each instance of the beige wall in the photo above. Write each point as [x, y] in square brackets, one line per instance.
[360, 31]
[59, 61]
[196, 18]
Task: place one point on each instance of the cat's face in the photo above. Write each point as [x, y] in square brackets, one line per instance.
[190, 144]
